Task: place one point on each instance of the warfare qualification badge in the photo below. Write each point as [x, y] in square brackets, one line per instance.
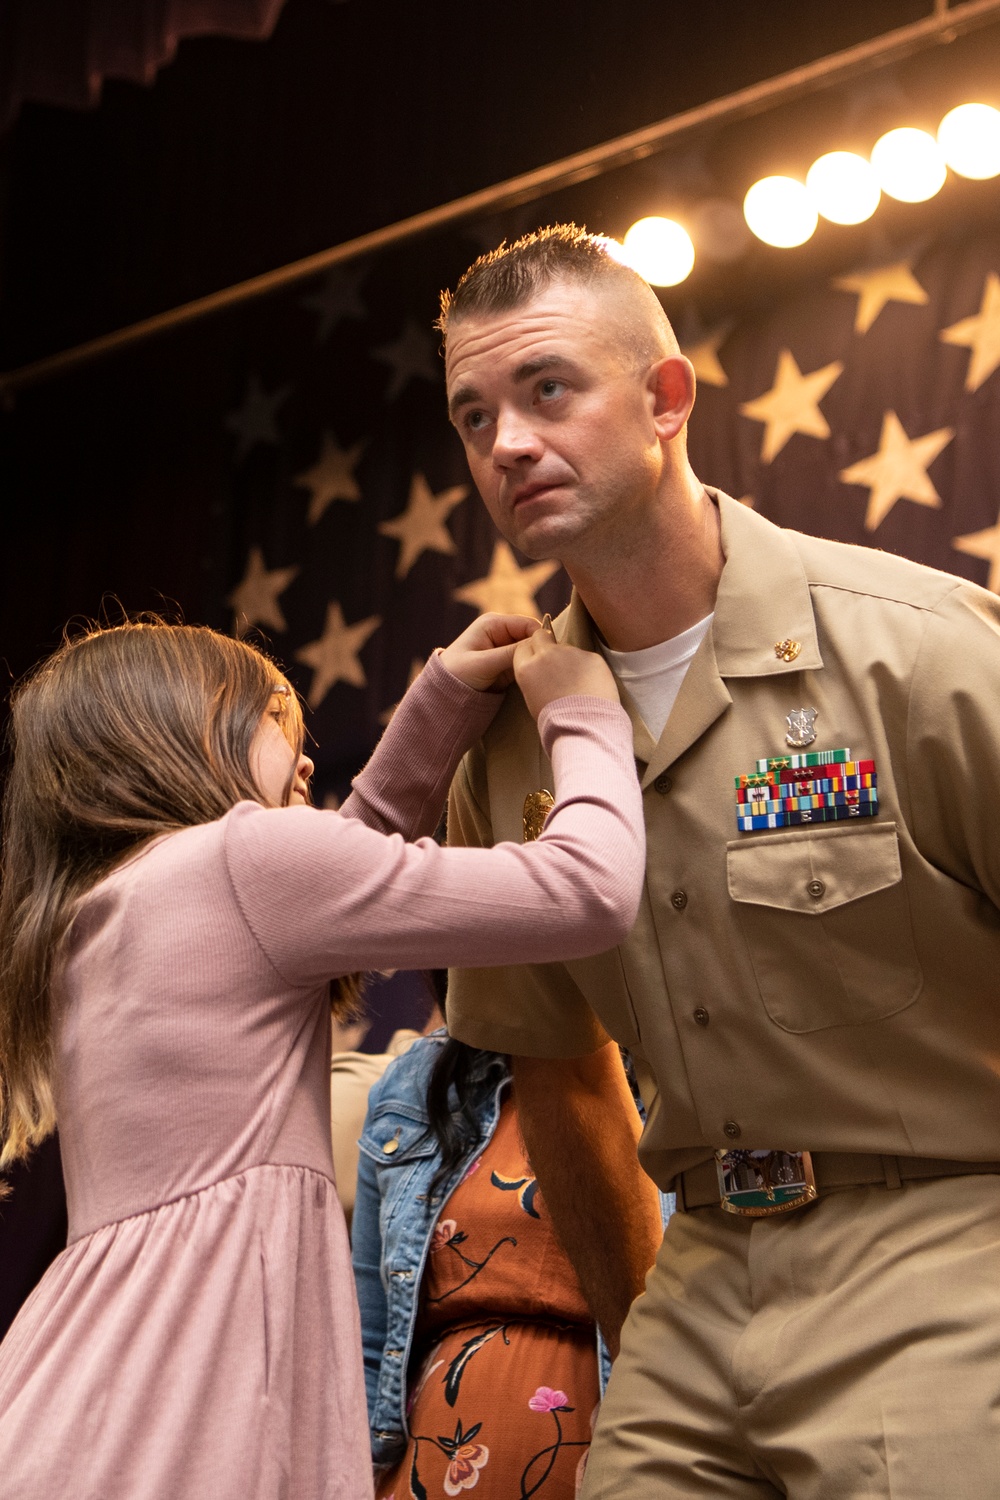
[801, 727]
[537, 806]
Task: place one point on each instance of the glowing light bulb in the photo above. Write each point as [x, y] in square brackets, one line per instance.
[909, 164]
[660, 250]
[969, 137]
[843, 187]
[780, 212]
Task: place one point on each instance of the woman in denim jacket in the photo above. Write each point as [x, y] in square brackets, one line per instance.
[400, 1240]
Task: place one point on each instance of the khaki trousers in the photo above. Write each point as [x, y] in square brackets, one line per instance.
[848, 1351]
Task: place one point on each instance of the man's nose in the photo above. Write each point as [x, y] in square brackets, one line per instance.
[516, 437]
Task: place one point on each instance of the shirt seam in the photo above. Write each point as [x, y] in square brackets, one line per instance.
[292, 984]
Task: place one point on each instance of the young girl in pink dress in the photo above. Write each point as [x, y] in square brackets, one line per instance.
[174, 921]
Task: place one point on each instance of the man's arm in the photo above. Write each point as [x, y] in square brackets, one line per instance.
[580, 1128]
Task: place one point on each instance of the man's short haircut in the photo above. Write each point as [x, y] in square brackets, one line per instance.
[514, 274]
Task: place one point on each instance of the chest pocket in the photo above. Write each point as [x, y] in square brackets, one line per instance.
[827, 922]
[397, 1141]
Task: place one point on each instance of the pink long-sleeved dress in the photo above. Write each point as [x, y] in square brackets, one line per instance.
[198, 1339]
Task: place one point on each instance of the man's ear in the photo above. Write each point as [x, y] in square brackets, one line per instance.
[671, 386]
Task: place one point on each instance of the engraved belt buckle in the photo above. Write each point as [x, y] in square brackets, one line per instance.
[757, 1184]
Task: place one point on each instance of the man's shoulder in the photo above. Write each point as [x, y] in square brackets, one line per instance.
[877, 574]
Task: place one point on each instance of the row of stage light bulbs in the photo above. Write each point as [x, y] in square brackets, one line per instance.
[906, 164]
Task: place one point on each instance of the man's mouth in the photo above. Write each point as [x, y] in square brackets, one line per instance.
[529, 491]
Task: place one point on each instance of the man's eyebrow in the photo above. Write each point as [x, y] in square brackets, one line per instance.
[465, 395]
[533, 367]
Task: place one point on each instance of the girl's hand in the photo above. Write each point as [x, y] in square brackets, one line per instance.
[546, 671]
[483, 655]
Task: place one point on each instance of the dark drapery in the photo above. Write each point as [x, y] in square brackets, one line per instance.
[59, 53]
[32, 1226]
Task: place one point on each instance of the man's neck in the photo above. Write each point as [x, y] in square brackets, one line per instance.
[663, 583]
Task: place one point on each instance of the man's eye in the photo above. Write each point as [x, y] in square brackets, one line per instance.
[475, 421]
[550, 389]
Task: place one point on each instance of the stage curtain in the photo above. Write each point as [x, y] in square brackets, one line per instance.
[61, 51]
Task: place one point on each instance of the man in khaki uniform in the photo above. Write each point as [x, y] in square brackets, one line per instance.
[792, 985]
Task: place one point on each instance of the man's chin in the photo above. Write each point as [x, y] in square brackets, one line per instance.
[540, 542]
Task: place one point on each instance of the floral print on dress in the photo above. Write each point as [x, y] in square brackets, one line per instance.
[539, 1466]
[444, 1232]
[504, 1364]
[448, 1236]
[467, 1463]
[546, 1399]
[525, 1188]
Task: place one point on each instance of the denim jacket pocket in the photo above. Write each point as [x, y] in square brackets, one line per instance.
[396, 1139]
[827, 923]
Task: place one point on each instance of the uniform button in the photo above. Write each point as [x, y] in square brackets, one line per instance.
[816, 888]
[679, 900]
[662, 784]
[732, 1130]
[701, 1016]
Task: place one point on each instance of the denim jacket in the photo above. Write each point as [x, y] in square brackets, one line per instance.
[394, 1221]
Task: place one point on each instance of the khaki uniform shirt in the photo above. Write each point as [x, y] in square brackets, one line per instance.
[830, 987]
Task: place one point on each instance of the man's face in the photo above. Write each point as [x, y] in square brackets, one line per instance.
[557, 423]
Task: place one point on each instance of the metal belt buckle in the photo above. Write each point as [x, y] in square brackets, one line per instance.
[758, 1184]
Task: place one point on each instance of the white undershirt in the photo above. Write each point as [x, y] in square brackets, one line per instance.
[653, 676]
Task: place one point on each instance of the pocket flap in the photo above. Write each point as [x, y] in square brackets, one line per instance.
[813, 870]
[395, 1134]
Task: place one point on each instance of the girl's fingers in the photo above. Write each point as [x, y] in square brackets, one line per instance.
[502, 630]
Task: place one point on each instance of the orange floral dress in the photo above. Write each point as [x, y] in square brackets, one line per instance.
[505, 1386]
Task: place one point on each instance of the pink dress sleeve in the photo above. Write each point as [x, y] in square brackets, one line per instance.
[326, 894]
[403, 787]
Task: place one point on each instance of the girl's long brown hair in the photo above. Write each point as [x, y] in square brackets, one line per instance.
[121, 735]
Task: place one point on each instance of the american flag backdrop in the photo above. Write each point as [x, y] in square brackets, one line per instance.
[358, 542]
[863, 407]
[287, 471]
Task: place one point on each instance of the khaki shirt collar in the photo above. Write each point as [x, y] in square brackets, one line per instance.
[763, 600]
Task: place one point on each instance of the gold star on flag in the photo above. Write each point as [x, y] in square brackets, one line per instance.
[254, 600]
[507, 588]
[420, 527]
[895, 283]
[791, 405]
[985, 544]
[898, 471]
[334, 657]
[256, 420]
[411, 356]
[704, 355]
[331, 477]
[337, 298]
[416, 667]
[981, 334]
